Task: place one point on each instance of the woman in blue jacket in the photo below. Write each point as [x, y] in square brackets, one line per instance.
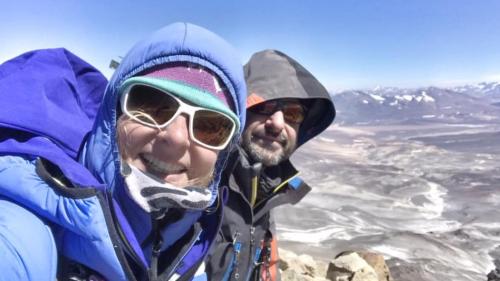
[133, 196]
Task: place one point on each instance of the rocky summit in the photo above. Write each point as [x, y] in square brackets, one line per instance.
[347, 266]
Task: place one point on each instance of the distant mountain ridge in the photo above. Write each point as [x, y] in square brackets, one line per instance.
[489, 90]
[479, 103]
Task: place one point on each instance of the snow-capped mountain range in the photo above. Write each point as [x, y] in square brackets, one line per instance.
[489, 90]
[478, 103]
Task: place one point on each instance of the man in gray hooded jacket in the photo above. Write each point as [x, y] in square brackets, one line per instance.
[286, 107]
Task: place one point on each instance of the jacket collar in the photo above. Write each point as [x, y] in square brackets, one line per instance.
[243, 170]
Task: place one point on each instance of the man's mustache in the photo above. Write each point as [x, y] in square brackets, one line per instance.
[279, 136]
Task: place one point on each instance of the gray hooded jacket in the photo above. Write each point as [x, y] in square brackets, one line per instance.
[244, 243]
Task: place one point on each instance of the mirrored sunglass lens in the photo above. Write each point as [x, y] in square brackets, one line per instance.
[212, 128]
[150, 105]
[293, 113]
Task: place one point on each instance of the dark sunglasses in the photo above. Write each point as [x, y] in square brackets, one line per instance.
[157, 108]
[293, 111]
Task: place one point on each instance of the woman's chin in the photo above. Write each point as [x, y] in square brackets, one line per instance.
[177, 180]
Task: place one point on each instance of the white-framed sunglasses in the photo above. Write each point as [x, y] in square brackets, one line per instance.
[157, 108]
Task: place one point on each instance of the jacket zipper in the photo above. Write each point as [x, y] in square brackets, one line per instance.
[276, 189]
[250, 253]
[155, 251]
[253, 257]
[128, 248]
[105, 200]
[183, 256]
[256, 170]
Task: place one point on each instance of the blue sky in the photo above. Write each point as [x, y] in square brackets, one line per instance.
[346, 44]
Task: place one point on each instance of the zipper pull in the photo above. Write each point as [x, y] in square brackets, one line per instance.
[252, 238]
[157, 246]
[236, 246]
[235, 237]
[236, 259]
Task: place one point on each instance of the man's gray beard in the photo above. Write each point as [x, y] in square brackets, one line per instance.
[265, 156]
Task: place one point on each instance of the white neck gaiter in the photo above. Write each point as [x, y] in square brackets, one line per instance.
[153, 195]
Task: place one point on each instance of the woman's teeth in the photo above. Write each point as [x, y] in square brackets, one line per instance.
[159, 166]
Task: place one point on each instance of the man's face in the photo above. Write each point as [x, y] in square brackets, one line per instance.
[271, 130]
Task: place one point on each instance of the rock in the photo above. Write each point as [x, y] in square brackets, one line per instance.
[408, 271]
[377, 262]
[309, 265]
[289, 275]
[300, 267]
[494, 275]
[349, 266]
[285, 258]
[321, 268]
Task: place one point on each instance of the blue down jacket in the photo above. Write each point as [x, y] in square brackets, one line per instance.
[62, 198]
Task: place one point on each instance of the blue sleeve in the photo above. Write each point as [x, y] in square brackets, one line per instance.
[27, 247]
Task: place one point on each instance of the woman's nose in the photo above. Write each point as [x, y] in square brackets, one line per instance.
[276, 122]
[176, 134]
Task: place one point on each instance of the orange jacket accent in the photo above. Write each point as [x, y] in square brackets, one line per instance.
[272, 267]
[254, 99]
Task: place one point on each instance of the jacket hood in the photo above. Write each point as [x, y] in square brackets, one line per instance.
[179, 42]
[67, 92]
[271, 74]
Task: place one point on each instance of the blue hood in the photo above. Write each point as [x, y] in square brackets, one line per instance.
[179, 42]
[67, 92]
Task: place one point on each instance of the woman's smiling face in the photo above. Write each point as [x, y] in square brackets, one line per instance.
[167, 153]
